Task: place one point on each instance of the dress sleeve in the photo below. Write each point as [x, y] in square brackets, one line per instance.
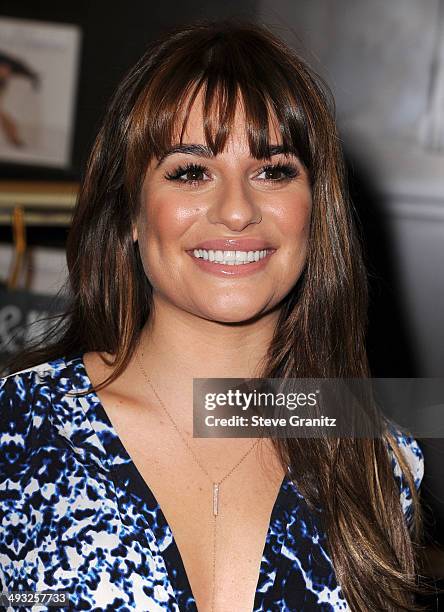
[18, 402]
[415, 460]
[17, 399]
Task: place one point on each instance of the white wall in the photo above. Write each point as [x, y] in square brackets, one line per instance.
[385, 64]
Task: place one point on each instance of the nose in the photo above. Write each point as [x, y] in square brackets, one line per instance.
[234, 206]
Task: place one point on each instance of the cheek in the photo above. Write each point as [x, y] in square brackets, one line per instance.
[293, 217]
[167, 218]
[163, 222]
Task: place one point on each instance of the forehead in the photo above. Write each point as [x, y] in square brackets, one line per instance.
[192, 124]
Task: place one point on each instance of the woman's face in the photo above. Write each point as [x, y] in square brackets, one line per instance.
[191, 200]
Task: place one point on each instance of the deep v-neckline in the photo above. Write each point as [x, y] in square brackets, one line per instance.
[171, 553]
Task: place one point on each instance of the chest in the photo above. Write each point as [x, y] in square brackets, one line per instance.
[219, 555]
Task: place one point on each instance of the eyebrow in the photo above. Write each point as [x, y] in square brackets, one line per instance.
[204, 151]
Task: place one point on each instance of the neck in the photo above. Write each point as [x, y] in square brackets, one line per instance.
[187, 346]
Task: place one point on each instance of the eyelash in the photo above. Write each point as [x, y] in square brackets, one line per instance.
[290, 171]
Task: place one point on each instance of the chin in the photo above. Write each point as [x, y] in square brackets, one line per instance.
[234, 315]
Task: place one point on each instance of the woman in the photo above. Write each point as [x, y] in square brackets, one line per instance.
[219, 141]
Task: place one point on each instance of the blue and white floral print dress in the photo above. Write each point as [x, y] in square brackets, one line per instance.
[76, 515]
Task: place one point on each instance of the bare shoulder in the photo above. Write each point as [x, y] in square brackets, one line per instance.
[122, 391]
[96, 367]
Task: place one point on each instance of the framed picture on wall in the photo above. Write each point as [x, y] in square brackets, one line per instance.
[39, 63]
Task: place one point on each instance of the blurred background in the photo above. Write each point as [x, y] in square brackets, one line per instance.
[384, 61]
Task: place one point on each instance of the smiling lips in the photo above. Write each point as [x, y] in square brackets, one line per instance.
[232, 256]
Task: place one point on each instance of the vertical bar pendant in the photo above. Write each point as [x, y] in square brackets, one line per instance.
[215, 498]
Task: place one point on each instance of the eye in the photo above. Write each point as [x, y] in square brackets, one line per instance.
[279, 173]
[190, 174]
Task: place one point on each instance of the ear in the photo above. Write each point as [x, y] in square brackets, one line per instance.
[135, 234]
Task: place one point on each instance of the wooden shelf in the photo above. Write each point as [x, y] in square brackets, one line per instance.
[44, 203]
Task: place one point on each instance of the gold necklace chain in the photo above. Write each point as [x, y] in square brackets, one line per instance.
[215, 485]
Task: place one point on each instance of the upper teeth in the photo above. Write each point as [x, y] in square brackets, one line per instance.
[232, 258]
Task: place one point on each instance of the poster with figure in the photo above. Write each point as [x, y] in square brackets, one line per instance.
[38, 82]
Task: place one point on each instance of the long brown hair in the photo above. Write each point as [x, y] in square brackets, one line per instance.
[322, 321]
